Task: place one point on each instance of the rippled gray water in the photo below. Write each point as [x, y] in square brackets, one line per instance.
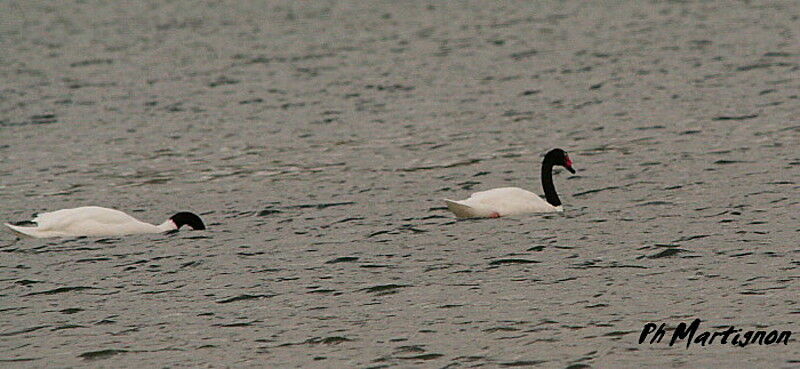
[317, 139]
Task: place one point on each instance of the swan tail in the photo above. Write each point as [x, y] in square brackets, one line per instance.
[460, 210]
[23, 231]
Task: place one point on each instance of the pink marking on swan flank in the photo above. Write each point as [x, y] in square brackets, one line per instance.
[494, 214]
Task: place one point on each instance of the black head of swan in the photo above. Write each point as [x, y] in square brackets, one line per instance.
[186, 218]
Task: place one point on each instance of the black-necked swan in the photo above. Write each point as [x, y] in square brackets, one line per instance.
[97, 221]
[505, 201]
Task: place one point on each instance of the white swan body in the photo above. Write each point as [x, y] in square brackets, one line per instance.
[500, 202]
[94, 221]
[506, 201]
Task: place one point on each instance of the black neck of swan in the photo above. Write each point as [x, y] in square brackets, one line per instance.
[547, 183]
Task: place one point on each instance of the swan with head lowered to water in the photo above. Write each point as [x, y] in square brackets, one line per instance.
[506, 201]
[97, 221]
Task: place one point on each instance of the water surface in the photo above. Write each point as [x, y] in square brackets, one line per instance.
[317, 139]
